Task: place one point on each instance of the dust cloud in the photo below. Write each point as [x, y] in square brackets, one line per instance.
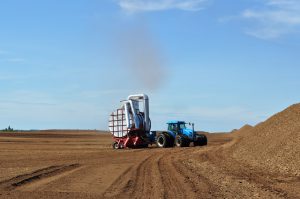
[142, 57]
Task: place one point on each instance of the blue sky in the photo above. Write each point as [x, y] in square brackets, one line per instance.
[221, 64]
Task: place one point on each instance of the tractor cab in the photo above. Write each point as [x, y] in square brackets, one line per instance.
[179, 128]
[176, 126]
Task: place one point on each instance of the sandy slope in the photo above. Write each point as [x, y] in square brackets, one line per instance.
[273, 144]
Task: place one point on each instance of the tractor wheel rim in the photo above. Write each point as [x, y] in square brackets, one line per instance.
[160, 141]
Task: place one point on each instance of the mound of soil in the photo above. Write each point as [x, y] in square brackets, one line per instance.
[242, 130]
[273, 144]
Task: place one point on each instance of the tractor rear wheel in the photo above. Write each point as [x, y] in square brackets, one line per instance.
[180, 141]
[162, 141]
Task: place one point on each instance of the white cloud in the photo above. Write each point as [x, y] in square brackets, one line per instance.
[275, 19]
[133, 6]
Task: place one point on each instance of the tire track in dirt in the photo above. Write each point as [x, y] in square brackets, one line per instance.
[200, 186]
[160, 175]
[174, 181]
[134, 182]
[21, 180]
[148, 179]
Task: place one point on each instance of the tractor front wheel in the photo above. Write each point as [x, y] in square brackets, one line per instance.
[180, 141]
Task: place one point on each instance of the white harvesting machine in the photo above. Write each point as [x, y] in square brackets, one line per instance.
[130, 124]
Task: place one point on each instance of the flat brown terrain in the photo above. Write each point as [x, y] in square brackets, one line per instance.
[82, 164]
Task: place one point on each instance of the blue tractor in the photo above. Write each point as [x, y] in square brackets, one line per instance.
[180, 136]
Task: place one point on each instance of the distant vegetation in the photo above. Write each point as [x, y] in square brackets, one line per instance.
[8, 129]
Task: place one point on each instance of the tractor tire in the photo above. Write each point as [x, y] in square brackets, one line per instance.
[163, 141]
[171, 141]
[201, 141]
[187, 143]
[115, 145]
[180, 141]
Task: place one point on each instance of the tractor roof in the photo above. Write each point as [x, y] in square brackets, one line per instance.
[175, 122]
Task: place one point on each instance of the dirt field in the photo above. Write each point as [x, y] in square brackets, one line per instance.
[78, 164]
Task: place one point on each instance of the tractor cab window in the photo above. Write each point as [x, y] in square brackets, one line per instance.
[182, 126]
[172, 127]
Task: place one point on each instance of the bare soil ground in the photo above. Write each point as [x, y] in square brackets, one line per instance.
[82, 164]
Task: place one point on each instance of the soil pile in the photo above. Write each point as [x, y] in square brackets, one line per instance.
[273, 144]
[243, 130]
